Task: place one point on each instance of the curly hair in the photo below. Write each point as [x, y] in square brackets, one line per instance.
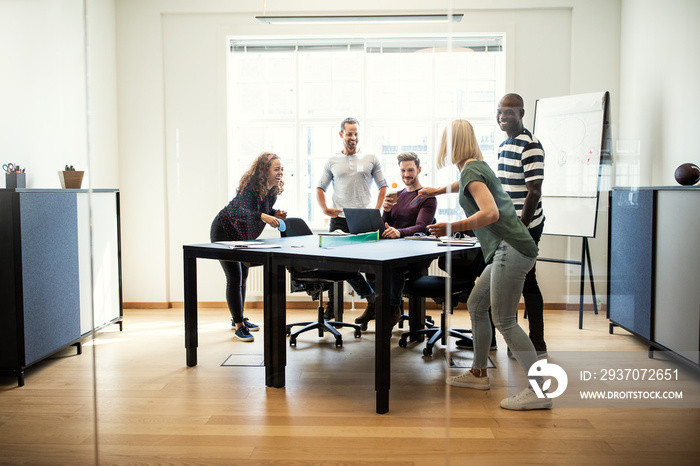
[257, 175]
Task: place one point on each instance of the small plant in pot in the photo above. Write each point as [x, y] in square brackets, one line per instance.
[71, 178]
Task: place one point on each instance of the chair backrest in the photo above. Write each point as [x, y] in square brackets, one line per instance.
[296, 227]
[468, 267]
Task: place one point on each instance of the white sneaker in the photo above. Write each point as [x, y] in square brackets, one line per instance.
[526, 400]
[469, 380]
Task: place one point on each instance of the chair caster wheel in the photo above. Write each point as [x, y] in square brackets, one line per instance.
[363, 327]
[402, 342]
[358, 333]
[292, 342]
[339, 343]
[427, 351]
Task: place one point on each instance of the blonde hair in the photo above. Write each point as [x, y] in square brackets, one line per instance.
[464, 144]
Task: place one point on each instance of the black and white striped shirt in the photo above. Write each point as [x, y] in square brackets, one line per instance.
[520, 160]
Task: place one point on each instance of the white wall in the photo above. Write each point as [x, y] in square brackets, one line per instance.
[103, 163]
[638, 50]
[659, 92]
[42, 88]
[43, 93]
[171, 71]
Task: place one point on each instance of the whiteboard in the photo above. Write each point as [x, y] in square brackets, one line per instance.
[571, 129]
[570, 216]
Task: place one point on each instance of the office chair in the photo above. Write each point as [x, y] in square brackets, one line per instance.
[464, 275]
[429, 321]
[432, 286]
[314, 282]
[405, 316]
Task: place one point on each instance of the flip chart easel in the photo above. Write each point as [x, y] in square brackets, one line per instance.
[574, 132]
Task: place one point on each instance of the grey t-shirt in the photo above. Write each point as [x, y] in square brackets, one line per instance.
[352, 177]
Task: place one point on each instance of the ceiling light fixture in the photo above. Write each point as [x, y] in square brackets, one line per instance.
[359, 19]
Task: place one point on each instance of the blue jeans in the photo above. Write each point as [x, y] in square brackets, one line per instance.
[500, 287]
[399, 275]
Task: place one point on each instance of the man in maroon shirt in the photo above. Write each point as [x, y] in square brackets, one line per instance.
[405, 216]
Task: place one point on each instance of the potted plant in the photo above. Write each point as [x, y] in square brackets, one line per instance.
[71, 178]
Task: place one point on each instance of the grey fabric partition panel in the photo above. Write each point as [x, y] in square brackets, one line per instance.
[631, 260]
[49, 225]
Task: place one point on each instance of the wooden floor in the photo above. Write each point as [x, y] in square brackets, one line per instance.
[150, 408]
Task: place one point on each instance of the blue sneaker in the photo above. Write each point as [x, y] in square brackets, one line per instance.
[250, 326]
[243, 334]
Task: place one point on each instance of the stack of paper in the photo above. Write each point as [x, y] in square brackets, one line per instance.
[467, 241]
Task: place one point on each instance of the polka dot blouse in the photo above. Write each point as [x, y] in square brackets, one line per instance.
[241, 217]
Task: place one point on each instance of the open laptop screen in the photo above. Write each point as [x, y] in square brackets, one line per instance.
[363, 220]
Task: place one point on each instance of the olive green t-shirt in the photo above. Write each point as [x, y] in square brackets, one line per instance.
[508, 228]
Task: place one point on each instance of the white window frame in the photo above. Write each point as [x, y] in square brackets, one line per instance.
[296, 196]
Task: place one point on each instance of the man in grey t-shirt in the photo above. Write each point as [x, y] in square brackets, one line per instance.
[351, 172]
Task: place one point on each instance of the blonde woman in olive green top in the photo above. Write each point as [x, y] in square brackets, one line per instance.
[509, 251]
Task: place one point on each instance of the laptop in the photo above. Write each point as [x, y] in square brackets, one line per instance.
[364, 220]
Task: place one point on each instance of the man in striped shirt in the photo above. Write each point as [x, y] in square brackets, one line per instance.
[521, 172]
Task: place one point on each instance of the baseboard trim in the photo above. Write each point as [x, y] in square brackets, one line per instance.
[146, 305]
[586, 307]
[313, 305]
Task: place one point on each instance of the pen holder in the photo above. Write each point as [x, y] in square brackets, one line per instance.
[71, 179]
[15, 180]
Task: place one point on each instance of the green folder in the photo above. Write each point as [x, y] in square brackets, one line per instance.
[331, 241]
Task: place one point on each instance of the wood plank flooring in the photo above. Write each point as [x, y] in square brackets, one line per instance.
[150, 408]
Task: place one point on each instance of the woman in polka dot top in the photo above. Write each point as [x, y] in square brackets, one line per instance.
[244, 218]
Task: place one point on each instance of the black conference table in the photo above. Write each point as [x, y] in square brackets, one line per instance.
[377, 258]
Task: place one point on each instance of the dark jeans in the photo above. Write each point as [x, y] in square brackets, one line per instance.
[399, 275]
[359, 284]
[534, 304]
[236, 276]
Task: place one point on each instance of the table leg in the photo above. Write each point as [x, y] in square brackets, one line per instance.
[338, 301]
[382, 363]
[416, 317]
[190, 275]
[275, 311]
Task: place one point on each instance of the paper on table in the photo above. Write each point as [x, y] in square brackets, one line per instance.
[258, 246]
[468, 241]
[238, 243]
[249, 244]
[334, 233]
[423, 238]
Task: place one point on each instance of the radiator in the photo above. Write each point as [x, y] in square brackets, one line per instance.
[254, 285]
